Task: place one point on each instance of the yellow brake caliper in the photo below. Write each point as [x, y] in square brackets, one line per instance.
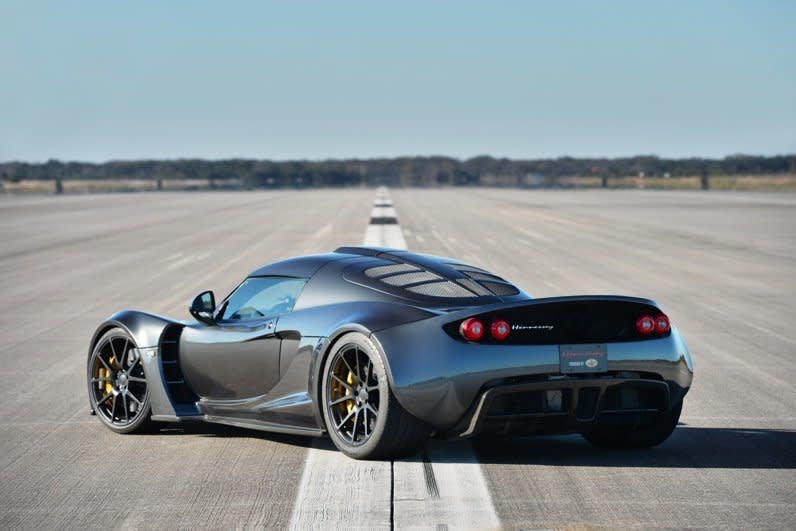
[341, 391]
[349, 403]
[102, 372]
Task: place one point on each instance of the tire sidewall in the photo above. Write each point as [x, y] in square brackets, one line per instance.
[144, 413]
[363, 343]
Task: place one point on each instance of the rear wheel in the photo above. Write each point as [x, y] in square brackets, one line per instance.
[117, 388]
[618, 438]
[362, 416]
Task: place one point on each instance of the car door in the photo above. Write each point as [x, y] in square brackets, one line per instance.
[237, 357]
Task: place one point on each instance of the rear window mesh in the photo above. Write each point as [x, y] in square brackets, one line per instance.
[445, 289]
[482, 276]
[392, 269]
[410, 278]
[501, 289]
[475, 287]
[464, 268]
[415, 279]
[487, 280]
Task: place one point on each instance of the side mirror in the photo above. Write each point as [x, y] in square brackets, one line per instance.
[203, 306]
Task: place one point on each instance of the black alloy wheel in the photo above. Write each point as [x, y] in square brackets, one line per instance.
[353, 400]
[362, 416]
[117, 385]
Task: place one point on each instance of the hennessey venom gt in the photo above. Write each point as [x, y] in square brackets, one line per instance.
[381, 349]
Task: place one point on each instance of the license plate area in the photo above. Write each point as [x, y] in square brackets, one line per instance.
[583, 358]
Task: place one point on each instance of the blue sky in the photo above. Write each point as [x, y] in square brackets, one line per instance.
[106, 80]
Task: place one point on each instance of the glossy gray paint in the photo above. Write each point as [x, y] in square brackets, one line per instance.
[230, 361]
[264, 374]
[437, 378]
[162, 407]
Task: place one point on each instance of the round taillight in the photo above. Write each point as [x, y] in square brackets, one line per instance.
[645, 325]
[471, 329]
[662, 324]
[500, 329]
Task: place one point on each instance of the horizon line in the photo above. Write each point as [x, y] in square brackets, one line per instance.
[395, 157]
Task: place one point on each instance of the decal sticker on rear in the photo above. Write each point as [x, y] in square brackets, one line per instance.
[583, 358]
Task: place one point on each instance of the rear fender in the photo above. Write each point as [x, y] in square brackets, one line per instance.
[329, 322]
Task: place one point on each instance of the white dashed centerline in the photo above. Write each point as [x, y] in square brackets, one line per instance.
[443, 488]
[383, 229]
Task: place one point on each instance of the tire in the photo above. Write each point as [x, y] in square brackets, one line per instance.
[117, 388]
[362, 416]
[625, 439]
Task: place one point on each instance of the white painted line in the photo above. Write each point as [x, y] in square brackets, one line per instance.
[385, 236]
[337, 492]
[448, 491]
[382, 212]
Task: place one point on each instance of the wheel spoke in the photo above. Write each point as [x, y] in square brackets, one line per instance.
[105, 363]
[346, 398]
[104, 399]
[365, 421]
[373, 410]
[356, 356]
[113, 350]
[120, 359]
[136, 379]
[348, 365]
[343, 383]
[131, 395]
[136, 361]
[354, 429]
[345, 419]
[113, 408]
[124, 353]
[124, 404]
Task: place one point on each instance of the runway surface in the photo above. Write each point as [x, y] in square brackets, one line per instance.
[722, 265]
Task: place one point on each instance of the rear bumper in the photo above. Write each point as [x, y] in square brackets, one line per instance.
[440, 380]
[566, 405]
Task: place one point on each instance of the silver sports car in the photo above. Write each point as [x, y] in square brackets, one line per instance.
[381, 349]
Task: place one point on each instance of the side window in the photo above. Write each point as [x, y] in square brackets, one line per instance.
[259, 297]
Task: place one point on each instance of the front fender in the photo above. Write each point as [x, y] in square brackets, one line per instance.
[146, 330]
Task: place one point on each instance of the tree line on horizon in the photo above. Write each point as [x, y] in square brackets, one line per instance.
[402, 171]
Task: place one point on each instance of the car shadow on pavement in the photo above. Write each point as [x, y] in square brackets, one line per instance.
[688, 447]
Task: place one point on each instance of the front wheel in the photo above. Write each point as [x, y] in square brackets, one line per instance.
[117, 387]
[362, 416]
[621, 439]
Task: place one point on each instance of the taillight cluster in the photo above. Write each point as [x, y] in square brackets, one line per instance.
[647, 324]
[472, 329]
